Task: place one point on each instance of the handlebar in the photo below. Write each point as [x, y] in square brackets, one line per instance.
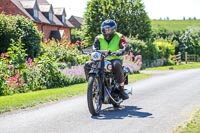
[106, 53]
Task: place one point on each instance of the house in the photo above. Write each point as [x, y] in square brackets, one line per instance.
[76, 21]
[51, 21]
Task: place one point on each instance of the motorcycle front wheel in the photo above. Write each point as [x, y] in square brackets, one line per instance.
[94, 95]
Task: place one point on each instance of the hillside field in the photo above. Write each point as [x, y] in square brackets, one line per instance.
[175, 25]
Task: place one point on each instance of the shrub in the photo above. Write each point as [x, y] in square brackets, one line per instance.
[165, 48]
[19, 27]
[64, 52]
[137, 46]
[76, 35]
[148, 50]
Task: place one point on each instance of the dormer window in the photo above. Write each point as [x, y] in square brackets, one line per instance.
[50, 16]
[35, 12]
[63, 18]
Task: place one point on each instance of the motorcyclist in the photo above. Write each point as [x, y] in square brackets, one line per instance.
[113, 41]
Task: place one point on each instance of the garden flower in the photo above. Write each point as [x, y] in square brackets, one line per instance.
[78, 42]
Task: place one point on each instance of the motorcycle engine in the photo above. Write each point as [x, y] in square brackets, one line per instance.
[108, 66]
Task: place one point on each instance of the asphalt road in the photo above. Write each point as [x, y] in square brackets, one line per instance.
[158, 105]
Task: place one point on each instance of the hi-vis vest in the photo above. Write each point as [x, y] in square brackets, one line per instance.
[113, 45]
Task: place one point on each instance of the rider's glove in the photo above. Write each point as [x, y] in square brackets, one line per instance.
[119, 52]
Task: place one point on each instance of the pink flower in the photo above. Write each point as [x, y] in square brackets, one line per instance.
[7, 56]
[2, 55]
[17, 76]
[78, 42]
[30, 60]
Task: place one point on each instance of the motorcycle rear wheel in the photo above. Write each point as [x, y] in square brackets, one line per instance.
[94, 95]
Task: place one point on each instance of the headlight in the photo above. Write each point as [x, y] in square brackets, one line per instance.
[108, 66]
[96, 56]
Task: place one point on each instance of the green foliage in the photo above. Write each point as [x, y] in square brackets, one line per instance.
[17, 55]
[189, 42]
[76, 35]
[151, 51]
[49, 70]
[130, 16]
[184, 41]
[137, 46]
[64, 52]
[165, 48]
[19, 27]
[12, 65]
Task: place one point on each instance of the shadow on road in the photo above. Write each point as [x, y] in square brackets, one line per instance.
[121, 113]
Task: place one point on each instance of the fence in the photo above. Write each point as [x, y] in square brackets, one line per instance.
[177, 58]
[191, 58]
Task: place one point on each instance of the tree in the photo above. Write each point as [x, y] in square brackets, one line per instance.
[130, 16]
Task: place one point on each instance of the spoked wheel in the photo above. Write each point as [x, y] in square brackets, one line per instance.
[94, 95]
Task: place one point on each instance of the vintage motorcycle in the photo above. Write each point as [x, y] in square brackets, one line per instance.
[102, 86]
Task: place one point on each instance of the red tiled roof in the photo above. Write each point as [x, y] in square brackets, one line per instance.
[44, 7]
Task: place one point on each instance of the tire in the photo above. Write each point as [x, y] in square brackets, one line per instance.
[94, 95]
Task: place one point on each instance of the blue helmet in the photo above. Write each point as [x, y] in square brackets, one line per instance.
[108, 24]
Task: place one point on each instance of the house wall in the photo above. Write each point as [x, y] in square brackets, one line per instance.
[9, 8]
[67, 32]
[46, 29]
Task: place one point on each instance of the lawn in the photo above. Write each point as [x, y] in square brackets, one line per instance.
[22, 101]
[193, 126]
[190, 65]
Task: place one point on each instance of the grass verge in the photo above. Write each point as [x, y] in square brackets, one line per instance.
[25, 100]
[183, 66]
[193, 126]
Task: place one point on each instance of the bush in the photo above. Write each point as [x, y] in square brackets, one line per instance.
[137, 46]
[19, 27]
[165, 48]
[12, 64]
[187, 40]
[64, 52]
[76, 35]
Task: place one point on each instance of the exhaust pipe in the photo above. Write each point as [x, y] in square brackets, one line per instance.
[120, 101]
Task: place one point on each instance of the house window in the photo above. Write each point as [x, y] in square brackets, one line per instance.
[50, 16]
[63, 18]
[35, 12]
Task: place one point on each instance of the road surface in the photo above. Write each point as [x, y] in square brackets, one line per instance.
[158, 105]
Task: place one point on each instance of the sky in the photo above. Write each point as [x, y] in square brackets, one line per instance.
[156, 9]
